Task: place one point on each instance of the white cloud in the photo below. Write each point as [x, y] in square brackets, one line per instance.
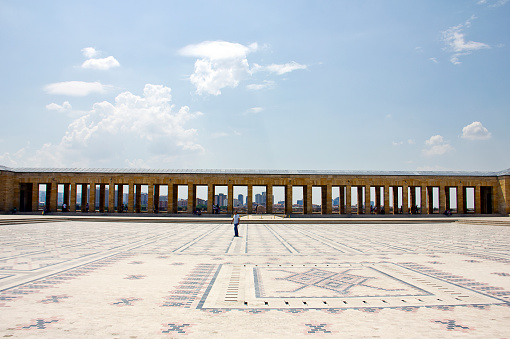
[434, 60]
[266, 84]
[411, 141]
[284, 68]
[133, 127]
[437, 146]
[476, 131]
[455, 41]
[65, 107]
[101, 64]
[76, 88]
[498, 3]
[397, 143]
[90, 52]
[220, 135]
[434, 140]
[255, 110]
[224, 64]
[218, 50]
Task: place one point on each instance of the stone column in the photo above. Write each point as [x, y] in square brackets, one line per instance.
[478, 200]
[460, 200]
[120, 198]
[72, 204]
[386, 194]
[53, 196]
[341, 200]
[175, 194]
[250, 199]
[423, 200]
[348, 202]
[395, 199]
[288, 199]
[269, 198]
[210, 198]
[138, 200]
[191, 198]
[102, 193]
[111, 197]
[150, 197]
[131, 198]
[230, 199]
[309, 207]
[360, 199]
[327, 204]
[405, 199]
[442, 199]
[35, 197]
[367, 199]
[495, 199]
[92, 198]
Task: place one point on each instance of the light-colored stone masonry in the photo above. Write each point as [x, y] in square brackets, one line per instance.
[491, 190]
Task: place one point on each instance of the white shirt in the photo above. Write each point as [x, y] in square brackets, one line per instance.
[236, 218]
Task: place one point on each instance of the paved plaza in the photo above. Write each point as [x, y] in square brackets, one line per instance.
[168, 278]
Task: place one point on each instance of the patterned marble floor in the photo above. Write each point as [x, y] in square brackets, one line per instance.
[120, 279]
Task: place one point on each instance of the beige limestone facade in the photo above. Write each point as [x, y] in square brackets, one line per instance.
[409, 192]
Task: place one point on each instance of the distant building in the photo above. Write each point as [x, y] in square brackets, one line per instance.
[240, 198]
[220, 199]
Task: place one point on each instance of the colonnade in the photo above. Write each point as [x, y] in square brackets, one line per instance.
[405, 191]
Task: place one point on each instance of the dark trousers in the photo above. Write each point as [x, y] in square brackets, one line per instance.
[236, 232]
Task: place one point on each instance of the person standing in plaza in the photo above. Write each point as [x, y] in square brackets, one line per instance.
[235, 220]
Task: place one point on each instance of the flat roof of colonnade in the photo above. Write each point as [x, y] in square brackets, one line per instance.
[256, 172]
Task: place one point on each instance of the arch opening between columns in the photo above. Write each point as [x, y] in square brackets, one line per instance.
[241, 197]
[279, 199]
[298, 199]
[259, 199]
[335, 200]
[221, 198]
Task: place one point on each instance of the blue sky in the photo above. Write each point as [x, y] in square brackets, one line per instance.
[348, 85]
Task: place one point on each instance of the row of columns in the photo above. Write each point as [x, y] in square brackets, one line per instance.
[482, 194]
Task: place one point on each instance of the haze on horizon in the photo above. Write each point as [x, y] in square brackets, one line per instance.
[364, 85]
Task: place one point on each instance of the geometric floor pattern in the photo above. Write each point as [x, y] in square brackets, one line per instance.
[120, 279]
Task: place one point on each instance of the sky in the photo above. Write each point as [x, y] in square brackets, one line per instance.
[295, 85]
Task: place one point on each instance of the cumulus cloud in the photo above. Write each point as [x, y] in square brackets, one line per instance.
[455, 40]
[281, 69]
[436, 146]
[221, 64]
[218, 50]
[132, 127]
[102, 64]
[76, 88]
[224, 64]
[89, 52]
[65, 107]
[266, 84]
[475, 131]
